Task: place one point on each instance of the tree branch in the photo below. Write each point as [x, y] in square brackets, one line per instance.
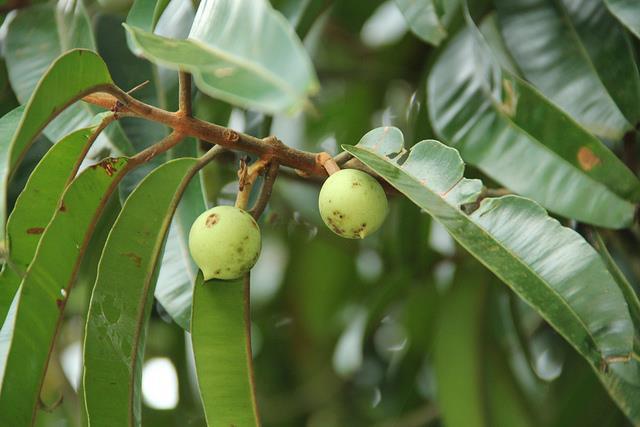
[271, 147]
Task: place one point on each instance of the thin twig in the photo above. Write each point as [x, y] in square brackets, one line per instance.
[184, 101]
[265, 190]
[149, 153]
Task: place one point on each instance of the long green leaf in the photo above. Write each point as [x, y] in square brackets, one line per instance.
[577, 60]
[263, 66]
[35, 39]
[627, 12]
[8, 124]
[222, 352]
[428, 18]
[46, 287]
[458, 358]
[549, 266]
[177, 275]
[512, 133]
[35, 207]
[123, 296]
[54, 92]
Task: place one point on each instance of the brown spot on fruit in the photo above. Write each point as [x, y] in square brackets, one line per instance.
[218, 271]
[211, 220]
[355, 184]
[35, 230]
[587, 159]
[137, 260]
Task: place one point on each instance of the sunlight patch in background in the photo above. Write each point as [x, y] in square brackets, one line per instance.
[159, 383]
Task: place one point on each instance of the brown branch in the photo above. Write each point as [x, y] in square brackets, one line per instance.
[190, 126]
[265, 190]
[184, 81]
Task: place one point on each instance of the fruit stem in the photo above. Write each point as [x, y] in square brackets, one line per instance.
[184, 97]
[327, 162]
[265, 190]
[246, 178]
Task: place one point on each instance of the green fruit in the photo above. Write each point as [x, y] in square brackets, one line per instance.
[352, 204]
[224, 242]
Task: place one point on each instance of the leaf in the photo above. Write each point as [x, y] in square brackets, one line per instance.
[144, 14]
[8, 124]
[577, 60]
[458, 358]
[633, 302]
[262, 67]
[222, 352]
[47, 285]
[428, 18]
[34, 208]
[513, 134]
[627, 12]
[55, 91]
[549, 266]
[123, 295]
[35, 39]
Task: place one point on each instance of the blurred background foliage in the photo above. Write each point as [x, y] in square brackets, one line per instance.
[401, 329]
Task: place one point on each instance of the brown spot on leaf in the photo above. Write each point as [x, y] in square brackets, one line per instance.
[60, 303]
[211, 220]
[63, 207]
[137, 260]
[35, 230]
[587, 159]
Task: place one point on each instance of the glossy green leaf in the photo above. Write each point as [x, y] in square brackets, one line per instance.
[174, 289]
[627, 289]
[627, 12]
[577, 60]
[178, 272]
[549, 266]
[123, 295]
[35, 39]
[222, 352]
[8, 124]
[458, 359]
[263, 66]
[35, 207]
[511, 132]
[54, 92]
[46, 288]
[428, 18]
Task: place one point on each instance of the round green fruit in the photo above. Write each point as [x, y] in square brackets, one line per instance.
[352, 204]
[224, 242]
